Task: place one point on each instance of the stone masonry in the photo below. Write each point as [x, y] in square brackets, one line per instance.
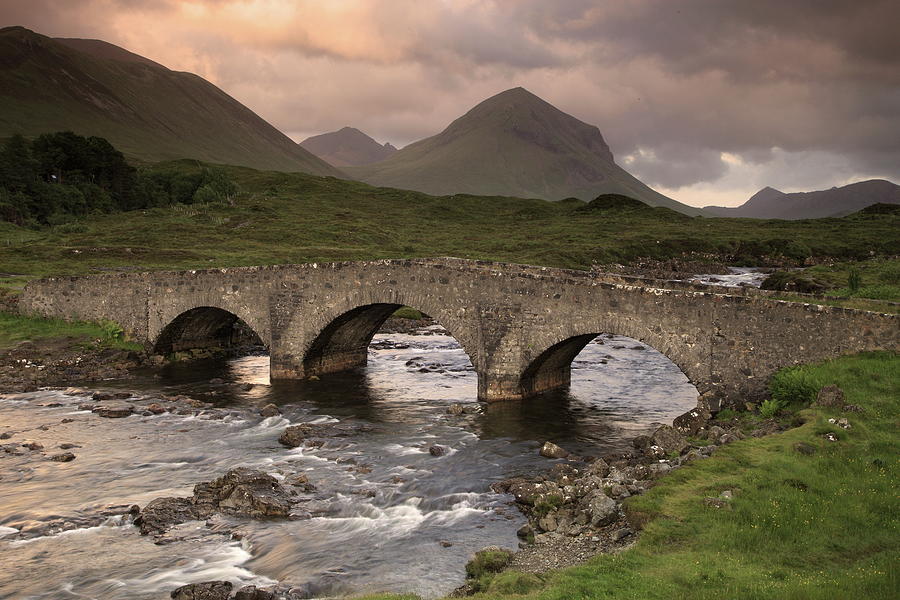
[520, 325]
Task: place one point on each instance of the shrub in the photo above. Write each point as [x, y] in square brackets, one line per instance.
[854, 281]
[112, 330]
[490, 560]
[769, 408]
[548, 504]
[793, 385]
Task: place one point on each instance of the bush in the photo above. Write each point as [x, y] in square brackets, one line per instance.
[769, 408]
[854, 280]
[793, 385]
[112, 330]
[488, 561]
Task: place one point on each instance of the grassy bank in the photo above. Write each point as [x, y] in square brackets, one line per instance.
[820, 525]
[17, 328]
[292, 217]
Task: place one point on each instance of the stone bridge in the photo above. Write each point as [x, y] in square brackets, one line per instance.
[521, 325]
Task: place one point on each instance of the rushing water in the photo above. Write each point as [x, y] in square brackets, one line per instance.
[383, 504]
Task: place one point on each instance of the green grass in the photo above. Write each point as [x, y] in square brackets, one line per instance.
[294, 218]
[18, 328]
[879, 278]
[821, 526]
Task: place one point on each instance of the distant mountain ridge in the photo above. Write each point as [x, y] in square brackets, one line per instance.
[769, 203]
[347, 147]
[513, 144]
[146, 110]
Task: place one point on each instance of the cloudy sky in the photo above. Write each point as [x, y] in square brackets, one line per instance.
[705, 100]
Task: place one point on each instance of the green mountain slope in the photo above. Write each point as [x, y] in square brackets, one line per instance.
[769, 203]
[513, 144]
[146, 110]
[347, 146]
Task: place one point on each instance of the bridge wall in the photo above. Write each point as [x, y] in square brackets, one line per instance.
[520, 325]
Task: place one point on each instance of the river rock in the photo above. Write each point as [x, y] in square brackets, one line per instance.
[437, 450]
[269, 410]
[251, 592]
[691, 422]
[33, 445]
[455, 409]
[599, 468]
[830, 396]
[244, 492]
[601, 508]
[162, 513]
[6, 435]
[295, 435]
[114, 411]
[156, 408]
[63, 457]
[209, 590]
[669, 439]
[551, 450]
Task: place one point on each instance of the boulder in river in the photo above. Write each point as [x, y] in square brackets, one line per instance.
[551, 450]
[244, 492]
[162, 513]
[269, 410]
[208, 590]
[63, 457]
[114, 411]
[437, 450]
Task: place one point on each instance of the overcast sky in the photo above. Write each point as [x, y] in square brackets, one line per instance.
[705, 100]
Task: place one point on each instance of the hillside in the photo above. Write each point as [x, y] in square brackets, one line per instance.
[769, 203]
[347, 146]
[513, 144]
[146, 110]
[293, 217]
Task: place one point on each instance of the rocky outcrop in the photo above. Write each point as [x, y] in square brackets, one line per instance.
[242, 492]
[210, 590]
[315, 434]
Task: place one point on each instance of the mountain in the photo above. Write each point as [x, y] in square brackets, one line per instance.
[347, 147]
[769, 203]
[513, 144]
[149, 112]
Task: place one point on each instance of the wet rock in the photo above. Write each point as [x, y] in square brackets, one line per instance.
[209, 590]
[156, 409]
[551, 450]
[300, 434]
[446, 544]
[100, 396]
[114, 411]
[86, 406]
[244, 492]
[830, 396]
[437, 450]
[455, 409]
[33, 446]
[6, 435]
[269, 410]
[63, 457]
[162, 513]
[251, 592]
[216, 381]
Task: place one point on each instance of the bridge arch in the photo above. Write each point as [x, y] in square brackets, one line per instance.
[343, 342]
[205, 327]
[550, 366]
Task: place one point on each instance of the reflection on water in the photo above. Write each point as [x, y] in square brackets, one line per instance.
[383, 504]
